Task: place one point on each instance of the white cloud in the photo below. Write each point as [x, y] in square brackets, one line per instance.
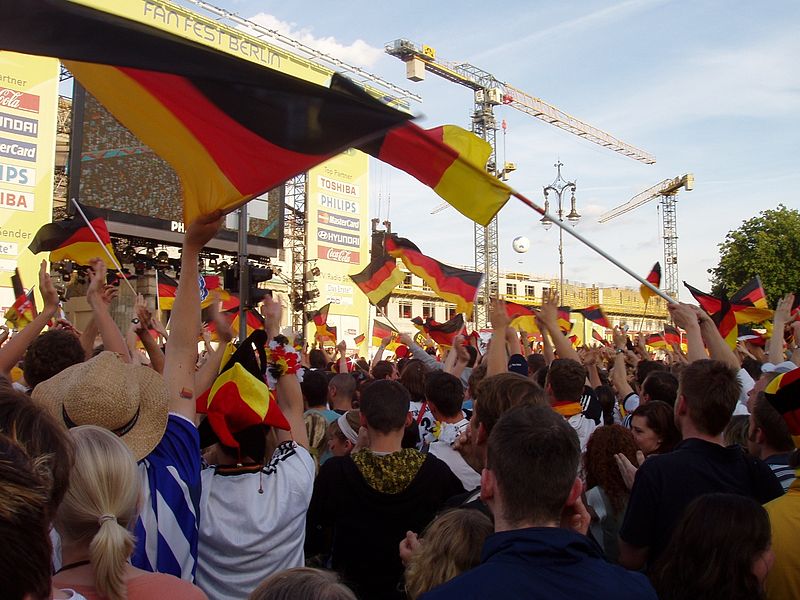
[358, 52]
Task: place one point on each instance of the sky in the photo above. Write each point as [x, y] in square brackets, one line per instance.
[708, 87]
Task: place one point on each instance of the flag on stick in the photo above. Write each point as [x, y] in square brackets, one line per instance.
[751, 294]
[656, 340]
[655, 278]
[20, 314]
[523, 318]
[595, 313]
[452, 284]
[359, 339]
[671, 335]
[72, 239]
[596, 335]
[380, 331]
[441, 333]
[379, 278]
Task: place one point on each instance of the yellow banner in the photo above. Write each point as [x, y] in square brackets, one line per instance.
[28, 110]
[339, 239]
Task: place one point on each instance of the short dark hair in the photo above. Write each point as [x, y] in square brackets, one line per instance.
[384, 405]
[317, 359]
[661, 385]
[567, 378]
[660, 418]
[498, 393]
[534, 454]
[535, 362]
[383, 369]
[445, 392]
[49, 354]
[711, 390]
[345, 384]
[772, 424]
[475, 378]
[473, 355]
[645, 367]
[24, 564]
[315, 388]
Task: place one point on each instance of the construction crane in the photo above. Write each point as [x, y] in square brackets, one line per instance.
[667, 192]
[490, 92]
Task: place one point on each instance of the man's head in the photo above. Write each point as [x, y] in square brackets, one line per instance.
[645, 367]
[384, 406]
[535, 362]
[51, 353]
[445, 395]
[707, 394]
[317, 359]
[565, 380]
[341, 389]
[315, 388]
[768, 433]
[531, 468]
[384, 369]
[660, 385]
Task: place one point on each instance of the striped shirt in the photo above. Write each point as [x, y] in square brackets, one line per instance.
[779, 463]
[166, 530]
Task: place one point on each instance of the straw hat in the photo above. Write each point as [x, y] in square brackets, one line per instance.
[129, 400]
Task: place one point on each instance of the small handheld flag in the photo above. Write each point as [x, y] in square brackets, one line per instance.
[654, 278]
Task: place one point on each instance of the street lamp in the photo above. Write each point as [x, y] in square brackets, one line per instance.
[558, 187]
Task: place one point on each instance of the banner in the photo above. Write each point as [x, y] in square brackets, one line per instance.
[339, 239]
[28, 110]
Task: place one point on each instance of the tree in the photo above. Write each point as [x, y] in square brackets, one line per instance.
[767, 245]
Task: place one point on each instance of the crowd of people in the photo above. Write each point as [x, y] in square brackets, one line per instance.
[135, 470]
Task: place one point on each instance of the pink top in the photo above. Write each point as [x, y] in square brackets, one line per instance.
[147, 587]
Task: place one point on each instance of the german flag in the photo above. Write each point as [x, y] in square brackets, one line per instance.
[72, 239]
[239, 397]
[458, 286]
[656, 340]
[743, 313]
[783, 393]
[747, 334]
[449, 160]
[725, 320]
[167, 287]
[441, 333]
[326, 333]
[230, 128]
[379, 278]
[253, 321]
[671, 335]
[751, 294]
[595, 313]
[320, 316]
[21, 313]
[564, 319]
[382, 330]
[710, 304]
[359, 339]
[653, 277]
[597, 336]
[523, 318]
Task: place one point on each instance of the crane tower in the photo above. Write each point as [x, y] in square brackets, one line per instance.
[667, 192]
[489, 92]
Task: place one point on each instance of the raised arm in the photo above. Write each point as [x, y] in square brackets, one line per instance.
[379, 354]
[497, 356]
[718, 348]
[181, 354]
[112, 337]
[549, 318]
[779, 321]
[684, 316]
[13, 350]
[619, 374]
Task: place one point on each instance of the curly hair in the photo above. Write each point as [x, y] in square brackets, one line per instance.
[51, 353]
[601, 468]
[451, 544]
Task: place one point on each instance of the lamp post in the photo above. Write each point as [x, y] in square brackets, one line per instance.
[558, 187]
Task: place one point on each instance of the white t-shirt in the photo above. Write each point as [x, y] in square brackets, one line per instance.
[442, 448]
[246, 536]
[425, 423]
[584, 427]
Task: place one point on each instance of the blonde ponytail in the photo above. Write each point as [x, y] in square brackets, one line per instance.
[101, 505]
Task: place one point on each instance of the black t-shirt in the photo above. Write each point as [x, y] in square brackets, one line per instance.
[667, 483]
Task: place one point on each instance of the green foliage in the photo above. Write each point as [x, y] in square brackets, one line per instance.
[767, 245]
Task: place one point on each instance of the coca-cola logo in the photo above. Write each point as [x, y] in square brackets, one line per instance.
[20, 100]
[338, 255]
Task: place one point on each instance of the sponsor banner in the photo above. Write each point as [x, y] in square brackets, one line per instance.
[16, 149]
[16, 200]
[339, 204]
[19, 125]
[339, 187]
[11, 98]
[338, 255]
[28, 111]
[338, 238]
[16, 174]
[335, 288]
[326, 218]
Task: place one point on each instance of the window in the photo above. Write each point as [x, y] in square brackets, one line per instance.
[530, 291]
[511, 289]
[427, 310]
[407, 281]
[426, 287]
[451, 312]
[404, 310]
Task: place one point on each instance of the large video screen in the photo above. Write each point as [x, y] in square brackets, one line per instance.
[138, 192]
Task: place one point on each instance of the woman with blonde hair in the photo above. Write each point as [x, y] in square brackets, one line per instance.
[450, 545]
[94, 522]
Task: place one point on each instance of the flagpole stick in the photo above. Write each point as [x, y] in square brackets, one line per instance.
[602, 253]
[111, 257]
[385, 316]
[644, 313]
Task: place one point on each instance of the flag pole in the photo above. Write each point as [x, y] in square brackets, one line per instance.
[644, 314]
[385, 316]
[602, 253]
[111, 257]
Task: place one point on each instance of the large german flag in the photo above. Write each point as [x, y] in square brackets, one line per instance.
[231, 129]
[452, 284]
[725, 320]
[653, 277]
[743, 313]
[448, 159]
[523, 318]
[442, 333]
[319, 316]
[595, 313]
[565, 319]
[751, 294]
[379, 278]
[73, 240]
